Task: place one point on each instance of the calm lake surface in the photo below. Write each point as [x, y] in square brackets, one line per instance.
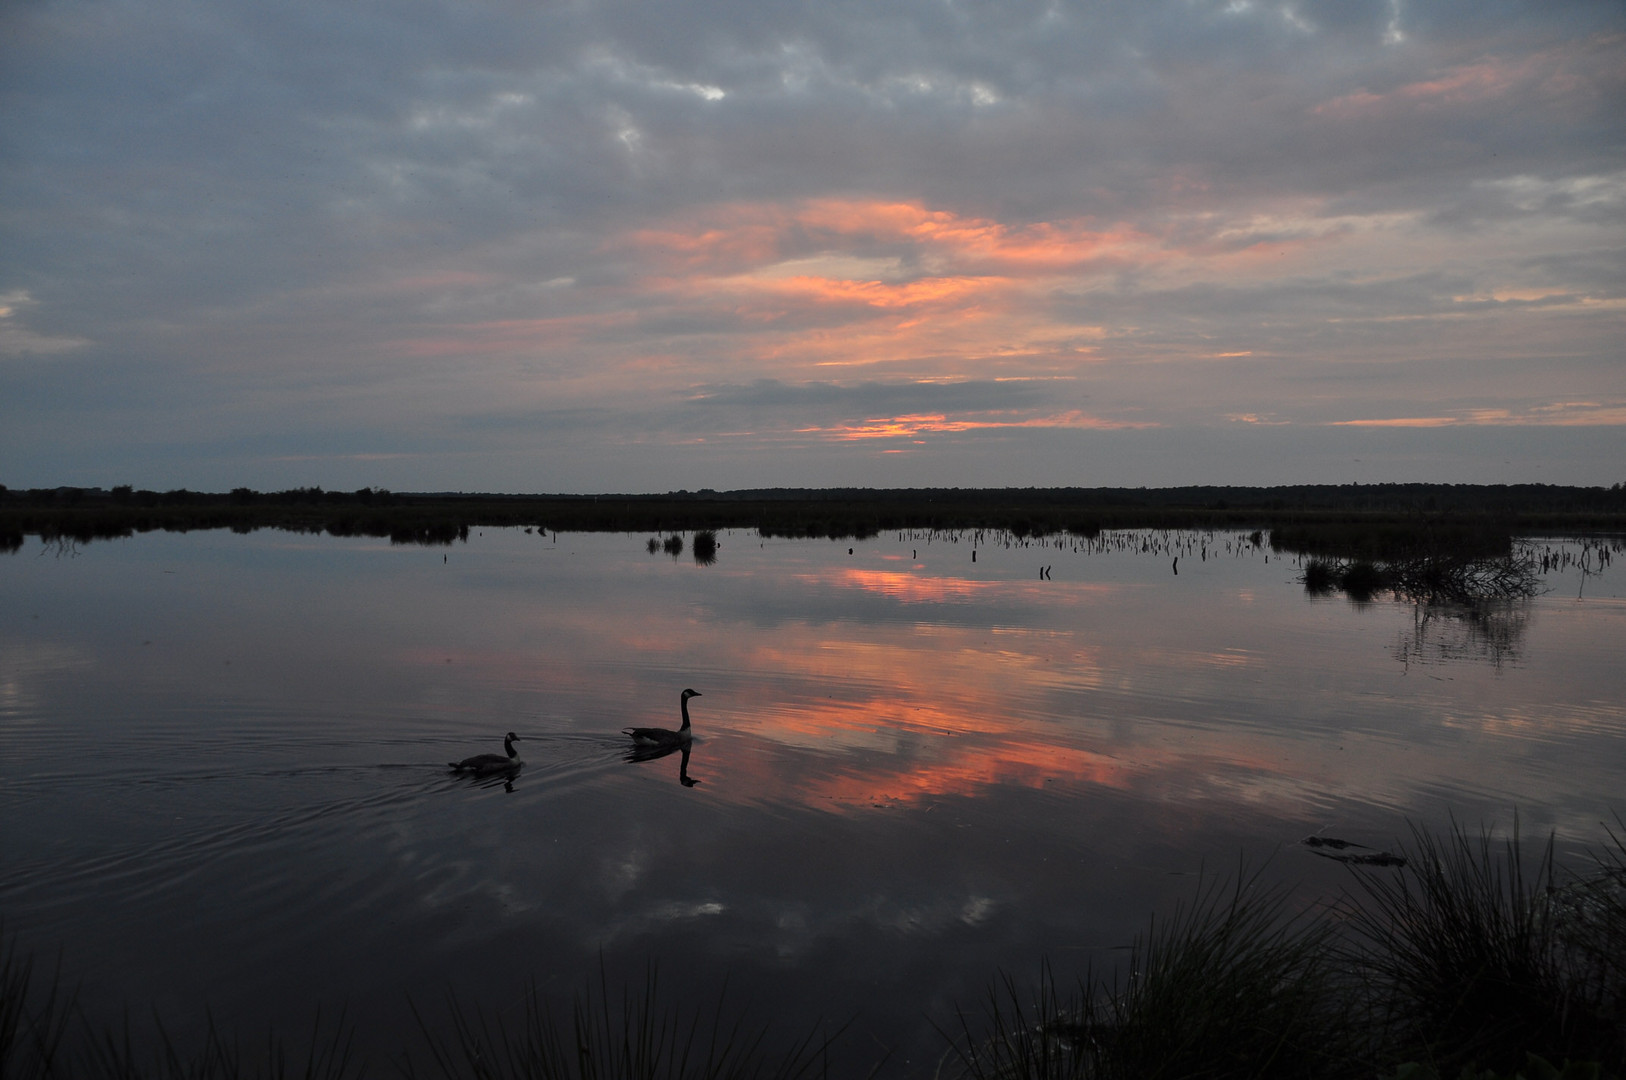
[223, 781]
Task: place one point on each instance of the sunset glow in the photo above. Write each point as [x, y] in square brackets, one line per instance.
[1210, 243]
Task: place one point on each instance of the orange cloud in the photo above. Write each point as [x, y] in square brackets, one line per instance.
[880, 294]
[735, 237]
[1552, 73]
[1462, 85]
[1559, 414]
[903, 426]
[1401, 421]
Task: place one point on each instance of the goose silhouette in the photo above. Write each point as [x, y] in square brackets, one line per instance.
[490, 763]
[654, 736]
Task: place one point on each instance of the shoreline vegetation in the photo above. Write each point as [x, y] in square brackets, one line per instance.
[1462, 958]
[1354, 521]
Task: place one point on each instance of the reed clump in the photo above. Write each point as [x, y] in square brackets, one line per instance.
[45, 1036]
[625, 1036]
[631, 1035]
[1232, 985]
[1479, 955]
[1471, 960]
[704, 546]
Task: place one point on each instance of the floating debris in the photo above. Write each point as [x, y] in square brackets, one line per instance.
[1340, 852]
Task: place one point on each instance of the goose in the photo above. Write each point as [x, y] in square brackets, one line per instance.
[488, 763]
[654, 736]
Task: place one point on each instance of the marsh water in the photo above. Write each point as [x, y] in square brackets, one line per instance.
[223, 782]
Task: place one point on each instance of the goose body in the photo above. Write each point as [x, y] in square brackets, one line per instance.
[654, 736]
[489, 763]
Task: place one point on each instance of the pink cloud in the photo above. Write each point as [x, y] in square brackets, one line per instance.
[1560, 414]
[741, 237]
[1550, 74]
[893, 427]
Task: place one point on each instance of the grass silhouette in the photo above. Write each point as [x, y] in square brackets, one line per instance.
[1475, 958]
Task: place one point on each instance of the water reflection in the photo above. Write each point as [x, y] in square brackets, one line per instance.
[1487, 631]
[640, 754]
[918, 769]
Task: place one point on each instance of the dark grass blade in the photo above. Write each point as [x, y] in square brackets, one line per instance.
[34, 1019]
[1467, 959]
[115, 1055]
[630, 1036]
[1231, 985]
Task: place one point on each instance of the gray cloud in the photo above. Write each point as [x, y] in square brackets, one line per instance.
[288, 224]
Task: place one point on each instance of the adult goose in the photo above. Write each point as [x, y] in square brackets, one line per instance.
[490, 763]
[654, 736]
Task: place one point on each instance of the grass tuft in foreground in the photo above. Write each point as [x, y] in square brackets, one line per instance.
[1232, 985]
[1478, 956]
[1473, 961]
[32, 1026]
[630, 1036]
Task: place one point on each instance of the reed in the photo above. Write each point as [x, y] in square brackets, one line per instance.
[113, 1054]
[1470, 961]
[1477, 959]
[705, 547]
[632, 1035]
[1233, 984]
[34, 1017]
[1350, 521]
[44, 1036]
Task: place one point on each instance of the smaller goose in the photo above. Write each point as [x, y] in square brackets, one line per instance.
[488, 763]
[654, 736]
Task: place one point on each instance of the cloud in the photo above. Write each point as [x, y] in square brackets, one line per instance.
[18, 340]
[1556, 414]
[444, 228]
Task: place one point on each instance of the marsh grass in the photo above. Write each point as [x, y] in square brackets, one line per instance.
[44, 1035]
[1233, 984]
[1478, 958]
[114, 1055]
[34, 1016]
[1350, 521]
[1451, 577]
[631, 1035]
[1476, 955]
[1473, 960]
[705, 547]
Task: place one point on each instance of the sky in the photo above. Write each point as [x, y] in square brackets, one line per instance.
[622, 246]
